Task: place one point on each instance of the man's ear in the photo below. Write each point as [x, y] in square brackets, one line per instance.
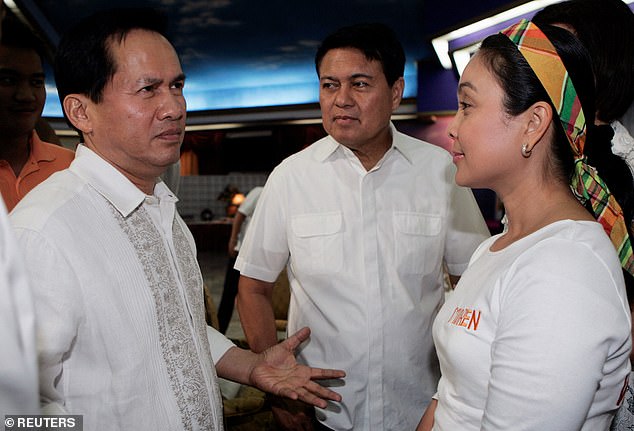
[76, 108]
[397, 92]
[540, 116]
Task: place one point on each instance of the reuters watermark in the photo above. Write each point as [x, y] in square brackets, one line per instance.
[43, 422]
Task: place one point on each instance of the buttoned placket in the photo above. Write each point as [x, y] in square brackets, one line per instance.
[162, 212]
[373, 276]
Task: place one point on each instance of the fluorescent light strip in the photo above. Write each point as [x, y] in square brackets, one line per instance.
[11, 5]
[441, 43]
[462, 56]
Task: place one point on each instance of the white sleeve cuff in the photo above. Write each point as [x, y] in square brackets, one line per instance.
[218, 343]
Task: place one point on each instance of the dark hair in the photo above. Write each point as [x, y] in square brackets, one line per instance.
[522, 88]
[17, 35]
[84, 63]
[376, 41]
[606, 28]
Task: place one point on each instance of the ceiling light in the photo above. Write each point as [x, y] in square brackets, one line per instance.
[449, 45]
[11, 4]
[441, 44]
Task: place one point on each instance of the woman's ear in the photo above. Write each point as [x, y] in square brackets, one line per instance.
[540, 116]
[76, 109]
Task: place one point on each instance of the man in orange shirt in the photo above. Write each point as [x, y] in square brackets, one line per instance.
[25, 160]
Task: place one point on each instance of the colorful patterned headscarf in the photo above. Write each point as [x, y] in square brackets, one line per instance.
[586, 184]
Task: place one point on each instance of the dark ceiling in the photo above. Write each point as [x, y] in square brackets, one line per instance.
[251, 53]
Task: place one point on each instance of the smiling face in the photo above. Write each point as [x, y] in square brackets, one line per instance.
[355, 99]
[139, 124]
[22, 92]
[486, 140]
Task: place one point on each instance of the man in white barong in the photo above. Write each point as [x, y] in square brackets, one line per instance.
[122, 338]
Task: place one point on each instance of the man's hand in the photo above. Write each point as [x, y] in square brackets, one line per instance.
[278, 373]
[231, 247]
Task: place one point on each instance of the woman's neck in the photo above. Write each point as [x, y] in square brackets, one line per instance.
[528, 214]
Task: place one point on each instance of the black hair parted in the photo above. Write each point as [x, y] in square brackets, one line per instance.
[375, 40]
[84, 63]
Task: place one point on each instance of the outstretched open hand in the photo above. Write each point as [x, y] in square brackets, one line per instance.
[279, 373]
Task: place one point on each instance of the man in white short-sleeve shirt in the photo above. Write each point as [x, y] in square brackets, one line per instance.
[365, 219]
[232, 276]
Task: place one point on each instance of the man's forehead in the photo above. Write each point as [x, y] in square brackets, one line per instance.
[143, 46]
[135, 35]
[147, 43]
[12, 57]
[350, 60]
[13, 50]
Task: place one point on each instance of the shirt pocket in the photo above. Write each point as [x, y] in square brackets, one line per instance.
[317, 246]
[417, 242]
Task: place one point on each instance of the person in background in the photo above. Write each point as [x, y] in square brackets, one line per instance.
[18, 366]
[536, 335]
[364, 221]
[117, 288]
[606, 28]
[25, 160]
[232, 275]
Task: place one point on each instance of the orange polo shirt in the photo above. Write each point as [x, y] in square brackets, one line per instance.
[44, 160]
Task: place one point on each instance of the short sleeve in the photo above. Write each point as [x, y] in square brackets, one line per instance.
[218, 343]
[561, 329]
[264, 251]
[466, 230]
[247, 207]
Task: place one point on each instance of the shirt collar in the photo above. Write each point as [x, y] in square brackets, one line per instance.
[38, 151]
[112, 184]
[398, 143]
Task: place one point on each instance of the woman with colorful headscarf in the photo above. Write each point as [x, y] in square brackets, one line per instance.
[606, 29]
[536, 335]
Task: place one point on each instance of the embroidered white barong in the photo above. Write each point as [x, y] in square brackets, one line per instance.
[122, 338]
